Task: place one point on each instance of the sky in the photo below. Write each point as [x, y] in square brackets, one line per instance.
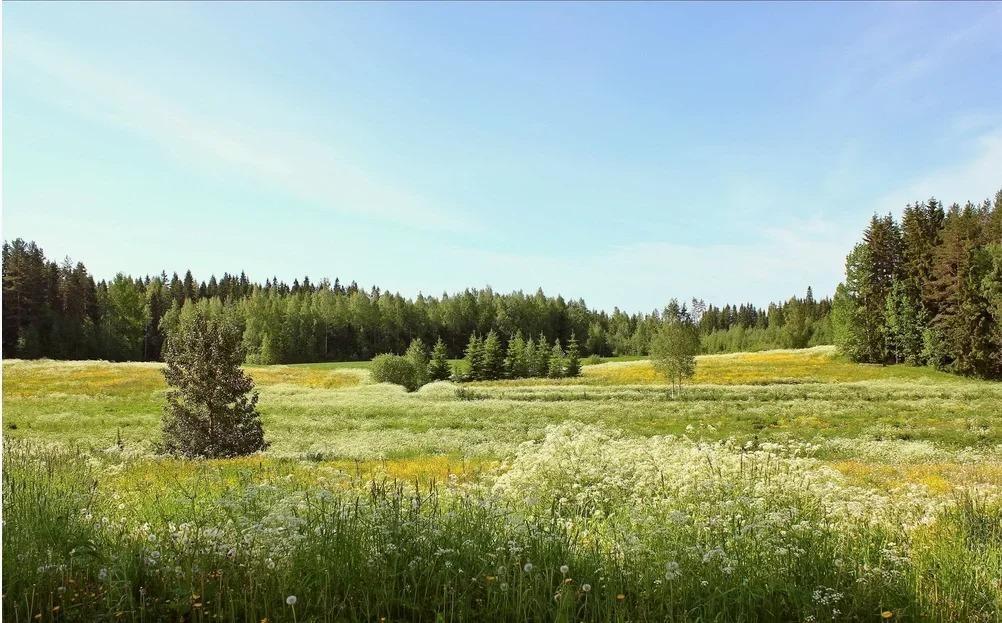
[620, 153]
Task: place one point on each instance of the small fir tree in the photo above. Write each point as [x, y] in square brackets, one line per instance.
[572, 366]
[515, 365]
[493, 357]
[475, 358]
[438, 369]
[530, 357]
[556, 367]
[541, 366]
[417, 353]
[211, 409]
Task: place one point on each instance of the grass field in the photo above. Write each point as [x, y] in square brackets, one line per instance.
[781, 486]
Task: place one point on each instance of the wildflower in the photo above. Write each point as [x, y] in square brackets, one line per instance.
[291, 600]
[672, 571]
[886, 614]
[585, 588]
[564, 569]
[528, 567]
[620, 597]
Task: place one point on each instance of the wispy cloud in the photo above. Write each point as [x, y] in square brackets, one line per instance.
[299, 166]
[978, 177]
[776, 263]
[889, 58]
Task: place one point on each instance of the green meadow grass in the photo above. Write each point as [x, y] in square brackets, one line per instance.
[781, 486]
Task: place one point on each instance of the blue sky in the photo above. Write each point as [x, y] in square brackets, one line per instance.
[622, 153]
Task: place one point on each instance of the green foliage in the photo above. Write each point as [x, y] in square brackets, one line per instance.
[474, 359]
[674, 348]
[556, 363]
[516, 364]
[438, 368]
[493, 357]
[541, 362]
[572, 364]
[211, 407]
[417, 353]
[925, 292]
[396, 369]
[59, 311]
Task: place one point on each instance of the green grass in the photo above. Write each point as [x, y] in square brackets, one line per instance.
[376, 503]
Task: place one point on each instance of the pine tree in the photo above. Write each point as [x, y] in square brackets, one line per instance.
[493, 357]
[438, 369]
[211, 409]
[572, 366]
[556, 363]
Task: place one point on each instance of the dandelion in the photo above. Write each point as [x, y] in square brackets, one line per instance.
[585, 588]
[620, 597]
[564, 569]
[291, 600]
[886, 614]
[528, 567]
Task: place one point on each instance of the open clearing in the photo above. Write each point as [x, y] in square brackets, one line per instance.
[781, 485]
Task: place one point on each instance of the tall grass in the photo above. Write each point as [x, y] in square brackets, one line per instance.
[582, 525]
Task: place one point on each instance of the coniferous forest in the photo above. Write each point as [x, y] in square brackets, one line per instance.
[926, 291]
[60, 311]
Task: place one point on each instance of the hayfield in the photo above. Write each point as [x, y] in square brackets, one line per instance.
[781, 486]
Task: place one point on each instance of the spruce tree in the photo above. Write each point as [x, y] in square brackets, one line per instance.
[438, 369]
[514, 363]
[475, 358]
[556, 364]
[493, 357]
[572, 365]
[417, 354]
[541, 366]
[211, 409]
[530, 357]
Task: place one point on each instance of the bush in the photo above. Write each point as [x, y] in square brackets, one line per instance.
[397, 370]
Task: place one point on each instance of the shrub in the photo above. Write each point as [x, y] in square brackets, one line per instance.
[397, 370]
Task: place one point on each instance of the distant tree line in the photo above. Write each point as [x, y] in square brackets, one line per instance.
[926, 290]
[59, 311]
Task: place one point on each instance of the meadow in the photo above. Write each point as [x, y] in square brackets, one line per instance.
[780, 486]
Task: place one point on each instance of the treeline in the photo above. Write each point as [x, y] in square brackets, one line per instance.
[927, 290]
[60, 311]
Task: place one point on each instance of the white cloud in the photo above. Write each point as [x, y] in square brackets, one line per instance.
[301, 167]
